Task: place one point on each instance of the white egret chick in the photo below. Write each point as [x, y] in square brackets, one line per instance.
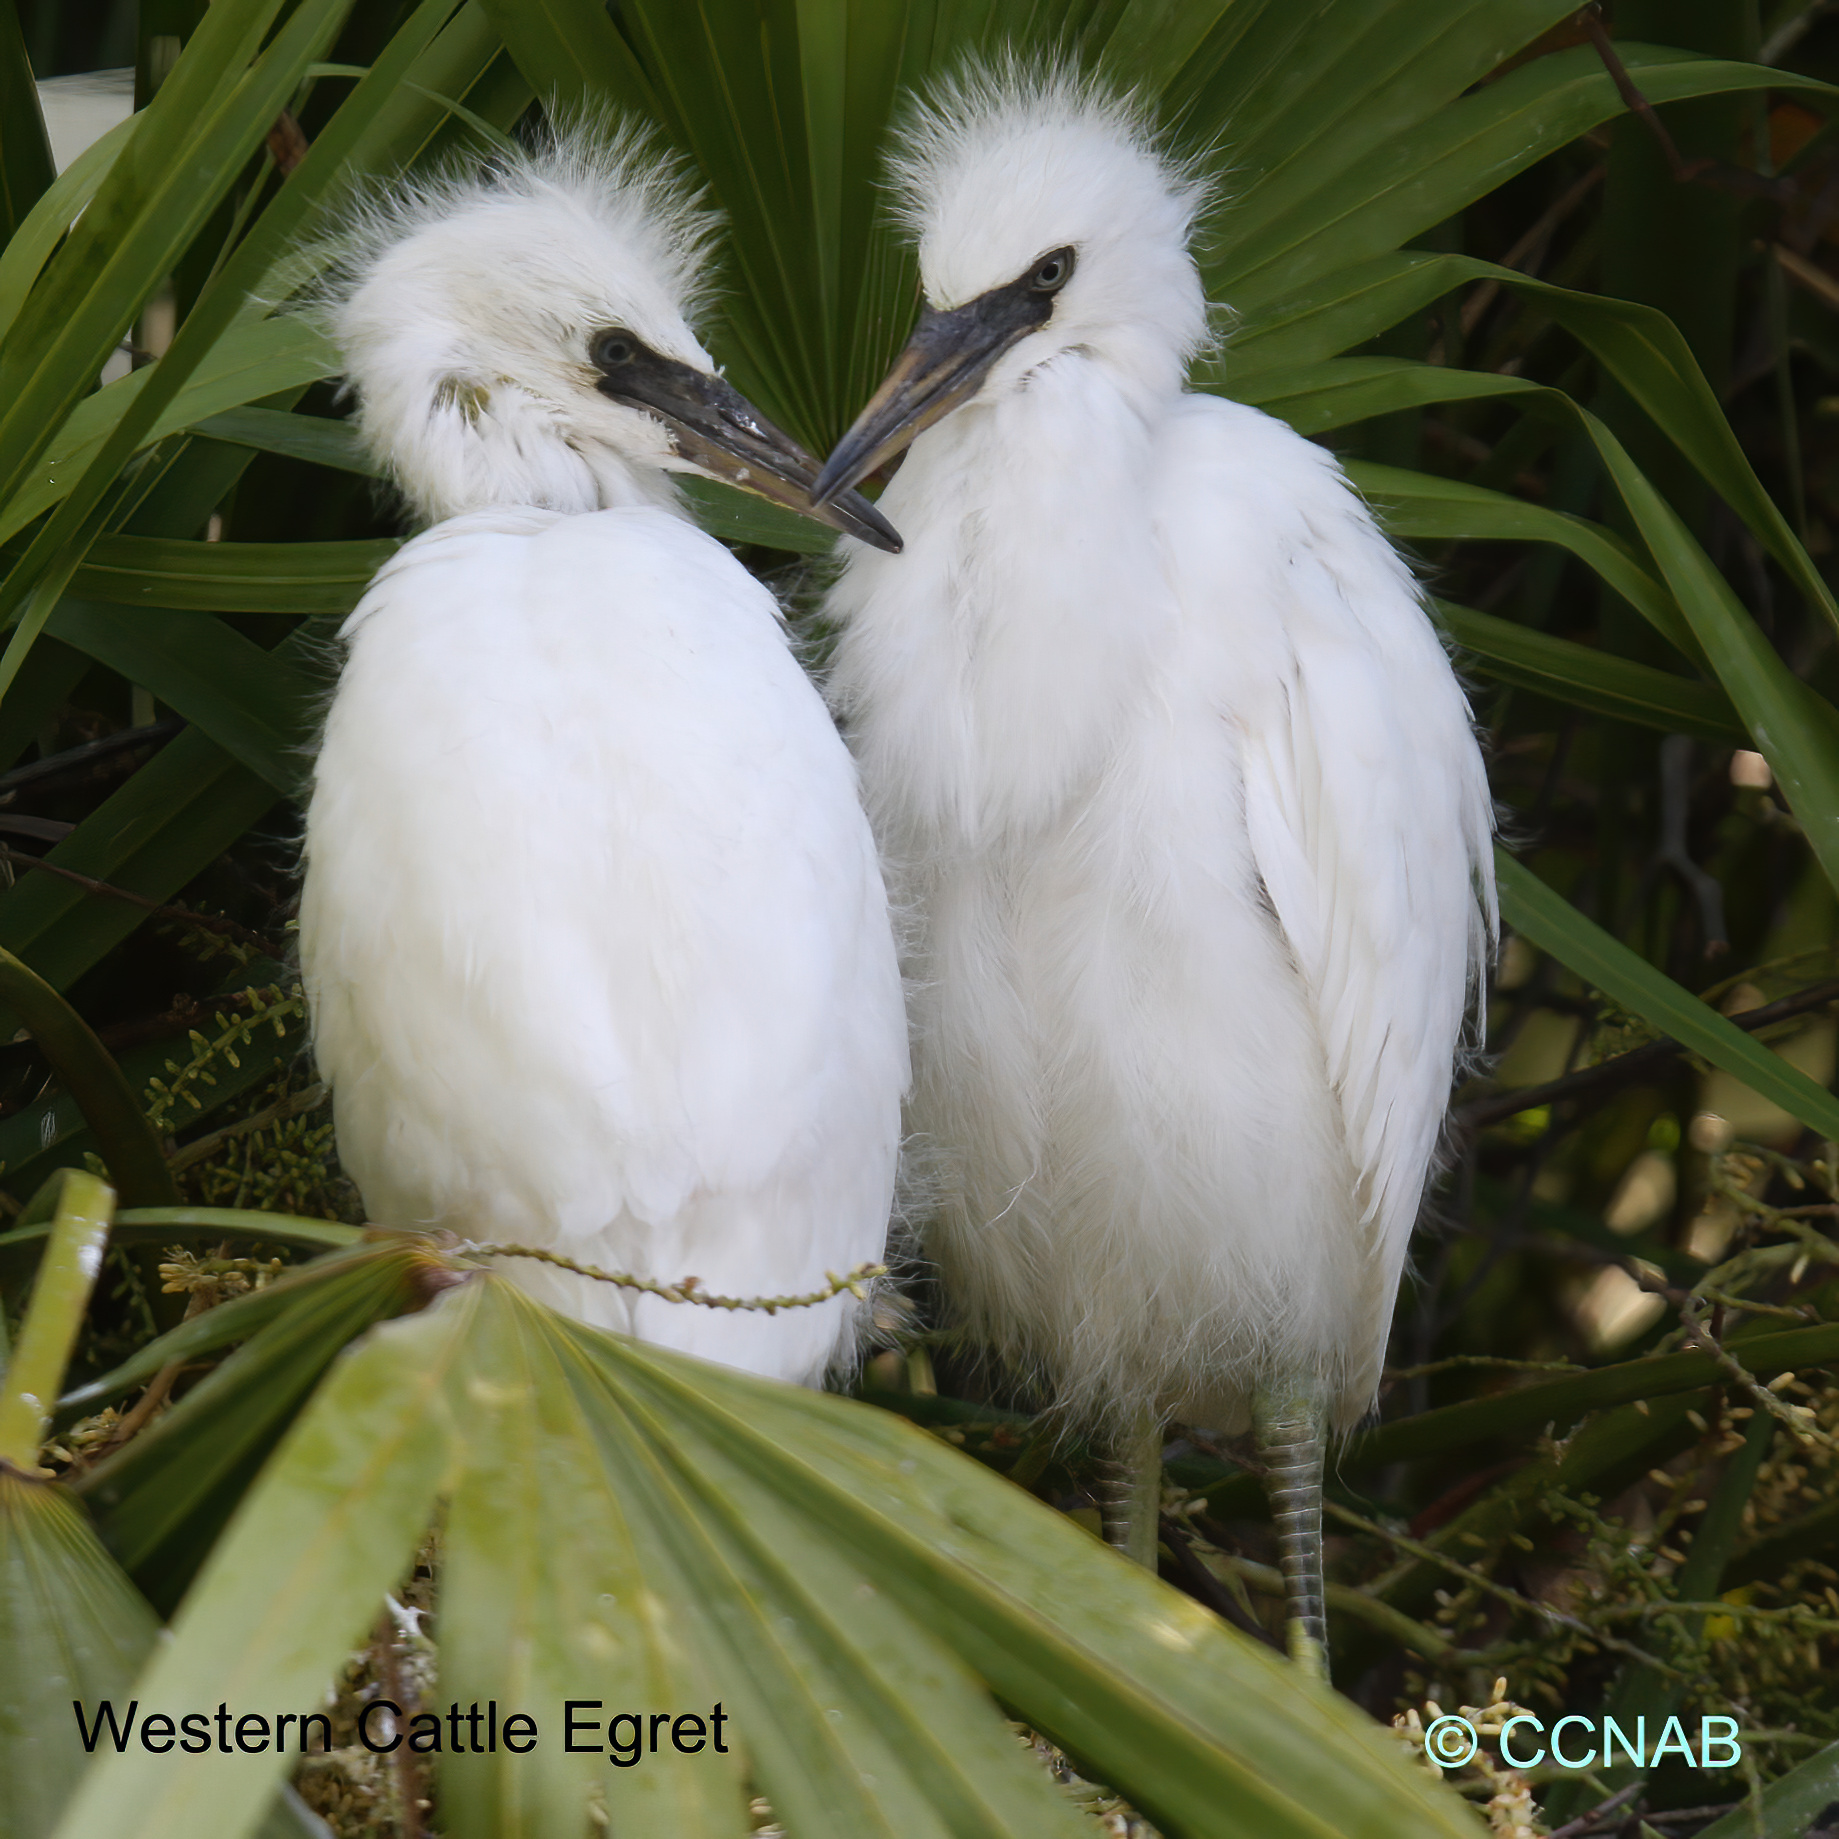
[593, 929]
[1187, 805]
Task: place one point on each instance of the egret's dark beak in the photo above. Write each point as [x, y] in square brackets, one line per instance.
[717, 430]
[947, 357]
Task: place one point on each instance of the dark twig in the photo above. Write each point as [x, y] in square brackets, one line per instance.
[133, 1422]
[1672, 1816]
[1480, 1580]
[106, 890]
[1586, 1822]
[40, 829]
[1204, 1587]
[295, 1104]
[90, 753]
[1530, 249]
[1592, 21]
[1799, 1419]
[1626, 1069]
[1685, 172]
[1675, 810]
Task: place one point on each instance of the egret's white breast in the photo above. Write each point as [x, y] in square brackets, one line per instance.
[1148, 1186]
[593, 926]
[1014, 638]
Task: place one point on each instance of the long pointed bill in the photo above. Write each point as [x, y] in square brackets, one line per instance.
[718, 431]
[947, 357]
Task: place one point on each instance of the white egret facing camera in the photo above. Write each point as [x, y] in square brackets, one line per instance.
[1186, 800]
[593, 931]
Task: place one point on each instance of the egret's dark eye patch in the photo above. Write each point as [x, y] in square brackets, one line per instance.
[1051, 272]
[614, 349]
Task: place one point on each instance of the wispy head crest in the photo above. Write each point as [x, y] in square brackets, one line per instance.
[607, 163]
[464, 305]
[964, 118]
[1009, 158]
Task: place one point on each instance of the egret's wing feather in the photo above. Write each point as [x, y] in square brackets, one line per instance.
[1367, 803]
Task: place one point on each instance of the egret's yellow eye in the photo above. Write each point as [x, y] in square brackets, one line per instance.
[612, 349]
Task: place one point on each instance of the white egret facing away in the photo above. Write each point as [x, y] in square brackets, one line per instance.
[1188, 807]
[593, 930]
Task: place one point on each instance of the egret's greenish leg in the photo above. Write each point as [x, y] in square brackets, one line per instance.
[1290, 1419]
[1130, 1489]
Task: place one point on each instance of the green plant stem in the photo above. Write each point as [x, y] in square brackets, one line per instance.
[1481, 1581]
[135, 1160]
[1342, 1599]
[59, 1297]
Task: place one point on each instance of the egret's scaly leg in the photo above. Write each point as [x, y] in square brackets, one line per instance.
[1290, 1418]
[1130, 1489]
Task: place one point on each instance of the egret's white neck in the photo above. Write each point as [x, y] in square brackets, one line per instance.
[476, 448]
[987, 669]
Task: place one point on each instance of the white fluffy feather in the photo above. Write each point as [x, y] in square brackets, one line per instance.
[1184, 792]
[593, 929]
[463, 305]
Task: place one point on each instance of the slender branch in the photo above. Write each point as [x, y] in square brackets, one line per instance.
[1671, 1816]
[1627, 1068]
[1343, 1599]
[1553, 218]
[127, 1427]
[90, 753]
[1204, 1587]
[40, 829]
[1499, 1362]
[1798, 1614]
[1803, 1317]
[1808, 275]
[1790, 33]
[1685, 172]
[295, 1104]
[108, 891]
[1429, 1554]
[1632, 99]
[1587, 1820]
[1530, 245]
[133, 1422]
[1798, 1418]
